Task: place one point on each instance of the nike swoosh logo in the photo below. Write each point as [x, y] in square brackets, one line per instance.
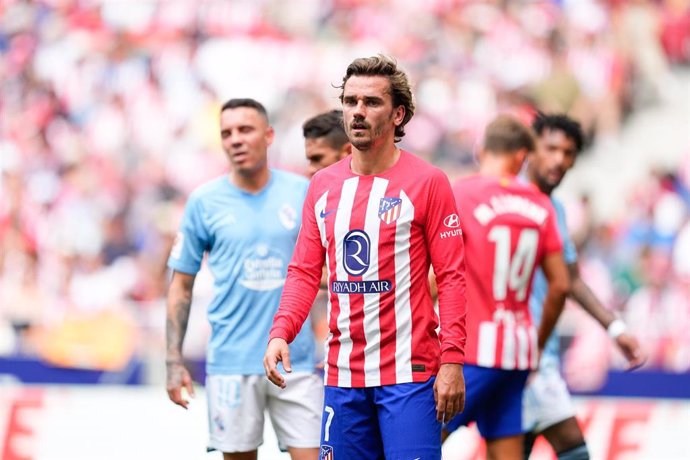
[324, 214]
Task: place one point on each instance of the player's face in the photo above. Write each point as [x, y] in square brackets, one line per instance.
[554, 156]
[321, 154]
[368, 112]
[245, 136]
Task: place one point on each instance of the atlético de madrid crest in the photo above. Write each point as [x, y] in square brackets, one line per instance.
[389, 209]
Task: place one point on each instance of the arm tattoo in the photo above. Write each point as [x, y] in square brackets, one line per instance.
[176, 324]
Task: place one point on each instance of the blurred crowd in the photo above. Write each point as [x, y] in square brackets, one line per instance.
[109, 111]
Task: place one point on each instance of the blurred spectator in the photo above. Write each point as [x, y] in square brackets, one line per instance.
[659, 314]
[108, 113]
[639, 25]
[675, 32]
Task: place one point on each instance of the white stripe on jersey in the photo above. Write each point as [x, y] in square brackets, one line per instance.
[534, 346]
[518, 340]
[319, 207]
[522, 347]
[403, 312]
[508, 355]
[486, 346]
[372, 327]
[341, 227]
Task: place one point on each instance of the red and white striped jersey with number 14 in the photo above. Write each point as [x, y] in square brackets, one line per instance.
[377, 235]
[509, 226]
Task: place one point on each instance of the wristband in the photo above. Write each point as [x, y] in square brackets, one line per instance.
[616, 328]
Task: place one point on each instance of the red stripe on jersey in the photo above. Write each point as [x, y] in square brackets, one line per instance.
[387, 300]
[421, 304]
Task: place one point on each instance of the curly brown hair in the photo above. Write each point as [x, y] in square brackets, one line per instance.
[400, 89]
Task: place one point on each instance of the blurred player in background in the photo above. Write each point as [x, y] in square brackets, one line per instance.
[548, 409]
[509, 230]
[246, 223]
[378, 218]
[325, 143]
[325, 140]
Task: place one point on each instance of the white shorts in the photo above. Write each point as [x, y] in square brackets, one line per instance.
[546, 401]
[236, 405]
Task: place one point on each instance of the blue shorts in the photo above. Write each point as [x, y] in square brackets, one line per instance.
[494, 400]
[391, 422]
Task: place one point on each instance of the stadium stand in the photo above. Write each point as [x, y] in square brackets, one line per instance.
[108, 113]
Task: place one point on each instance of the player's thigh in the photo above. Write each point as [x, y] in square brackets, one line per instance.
[407, 419]
[505, 448]
[350, 427]
[564, 435]
[240, 455]
[296, 410]
[546, 401]
[502, 414]
[235, 412]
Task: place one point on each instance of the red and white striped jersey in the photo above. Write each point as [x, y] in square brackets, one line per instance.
[509, 226]
[378, 234]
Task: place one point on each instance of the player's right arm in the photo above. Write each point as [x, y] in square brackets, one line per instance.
[191, 243]
[179, 302]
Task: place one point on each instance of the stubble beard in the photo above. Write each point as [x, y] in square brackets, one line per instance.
[361, 144]
[364, 144]
[544, 185]
[375, 132]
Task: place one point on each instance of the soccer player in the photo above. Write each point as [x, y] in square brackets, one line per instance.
[548, 409]
[325, 140]
[246, 223]
[378, 218]
[509, 229]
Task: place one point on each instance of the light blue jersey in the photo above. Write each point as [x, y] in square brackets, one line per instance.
[249, 239]
[550, 357]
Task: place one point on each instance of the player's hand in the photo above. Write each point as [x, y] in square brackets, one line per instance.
[630, 348]
[449, 392]
[276, 352]
[177, 379]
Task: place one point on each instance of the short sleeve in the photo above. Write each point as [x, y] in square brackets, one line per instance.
[191, 241]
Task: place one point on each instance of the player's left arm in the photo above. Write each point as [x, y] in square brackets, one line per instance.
[443, 234]
[585, 297]
[556, 274]
[617, 330]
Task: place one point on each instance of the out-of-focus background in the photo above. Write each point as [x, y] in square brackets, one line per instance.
[108, 119]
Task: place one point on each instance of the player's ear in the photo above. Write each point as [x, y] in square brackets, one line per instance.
[269, 135]
[398, 115]
[522, 155]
